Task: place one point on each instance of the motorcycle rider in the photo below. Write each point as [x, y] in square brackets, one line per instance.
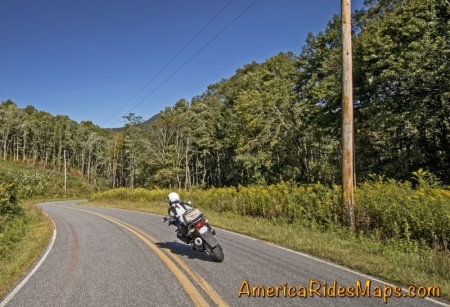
[176, 211]
[192, 228]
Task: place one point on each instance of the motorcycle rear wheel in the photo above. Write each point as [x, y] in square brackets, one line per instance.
[216, 253]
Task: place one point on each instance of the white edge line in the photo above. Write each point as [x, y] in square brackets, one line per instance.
[36, 267]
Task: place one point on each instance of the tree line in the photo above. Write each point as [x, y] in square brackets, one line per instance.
[275, 121]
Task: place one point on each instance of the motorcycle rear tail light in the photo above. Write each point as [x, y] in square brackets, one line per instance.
[199, 224]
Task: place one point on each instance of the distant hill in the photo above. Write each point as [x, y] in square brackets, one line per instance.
[144, 125]
[151, 120]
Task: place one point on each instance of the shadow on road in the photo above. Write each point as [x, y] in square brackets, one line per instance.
[182, 249]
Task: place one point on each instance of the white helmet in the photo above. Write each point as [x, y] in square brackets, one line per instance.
[173, 198]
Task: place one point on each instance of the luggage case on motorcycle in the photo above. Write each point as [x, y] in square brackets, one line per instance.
[192, 215]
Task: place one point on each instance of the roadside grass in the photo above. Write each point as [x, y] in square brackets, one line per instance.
[22, 241]
[24, 230]
[397, 261]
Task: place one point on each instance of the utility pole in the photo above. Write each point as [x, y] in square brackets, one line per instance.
[347, 114]
[65, 174]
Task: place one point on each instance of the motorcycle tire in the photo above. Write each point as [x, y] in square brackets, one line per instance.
[216, 253]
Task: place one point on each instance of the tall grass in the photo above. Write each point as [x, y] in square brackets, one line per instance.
[384, 209]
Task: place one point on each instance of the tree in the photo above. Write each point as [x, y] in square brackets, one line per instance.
[9, 114]
[262, 115]
[404, 112]
[169, 146]
[317, 115]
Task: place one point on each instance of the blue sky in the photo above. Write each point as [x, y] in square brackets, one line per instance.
[90, 59]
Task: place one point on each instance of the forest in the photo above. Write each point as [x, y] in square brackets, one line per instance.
[276, 121]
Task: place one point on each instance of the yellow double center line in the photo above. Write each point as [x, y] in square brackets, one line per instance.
[166, 257]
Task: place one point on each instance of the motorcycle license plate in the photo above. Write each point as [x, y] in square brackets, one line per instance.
[203, 230]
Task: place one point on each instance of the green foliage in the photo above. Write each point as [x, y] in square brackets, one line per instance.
[12, 235]
[385, 209]
[394, 210]
[11, 213]
[402, 74]
[138, 194]
[9, 204]
[32, 183]
[28, 184]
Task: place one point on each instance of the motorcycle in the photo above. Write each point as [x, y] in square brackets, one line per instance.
[197, 232]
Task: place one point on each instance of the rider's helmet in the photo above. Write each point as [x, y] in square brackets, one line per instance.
[173, 198]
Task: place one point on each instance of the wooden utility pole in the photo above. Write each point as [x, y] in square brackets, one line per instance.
[347, 114]
[65, 174]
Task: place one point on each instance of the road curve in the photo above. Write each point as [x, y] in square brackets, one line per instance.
[113, 257]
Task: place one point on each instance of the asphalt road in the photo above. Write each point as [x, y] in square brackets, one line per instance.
[112, 257]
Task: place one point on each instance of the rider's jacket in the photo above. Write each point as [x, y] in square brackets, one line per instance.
[177, 210]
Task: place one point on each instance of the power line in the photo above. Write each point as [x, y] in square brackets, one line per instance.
[190, 59]
[168, 63]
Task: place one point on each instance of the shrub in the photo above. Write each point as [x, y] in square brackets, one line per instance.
[9, 204]
[391, 209]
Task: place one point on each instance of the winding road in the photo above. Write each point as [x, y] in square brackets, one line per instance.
[113, 257]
